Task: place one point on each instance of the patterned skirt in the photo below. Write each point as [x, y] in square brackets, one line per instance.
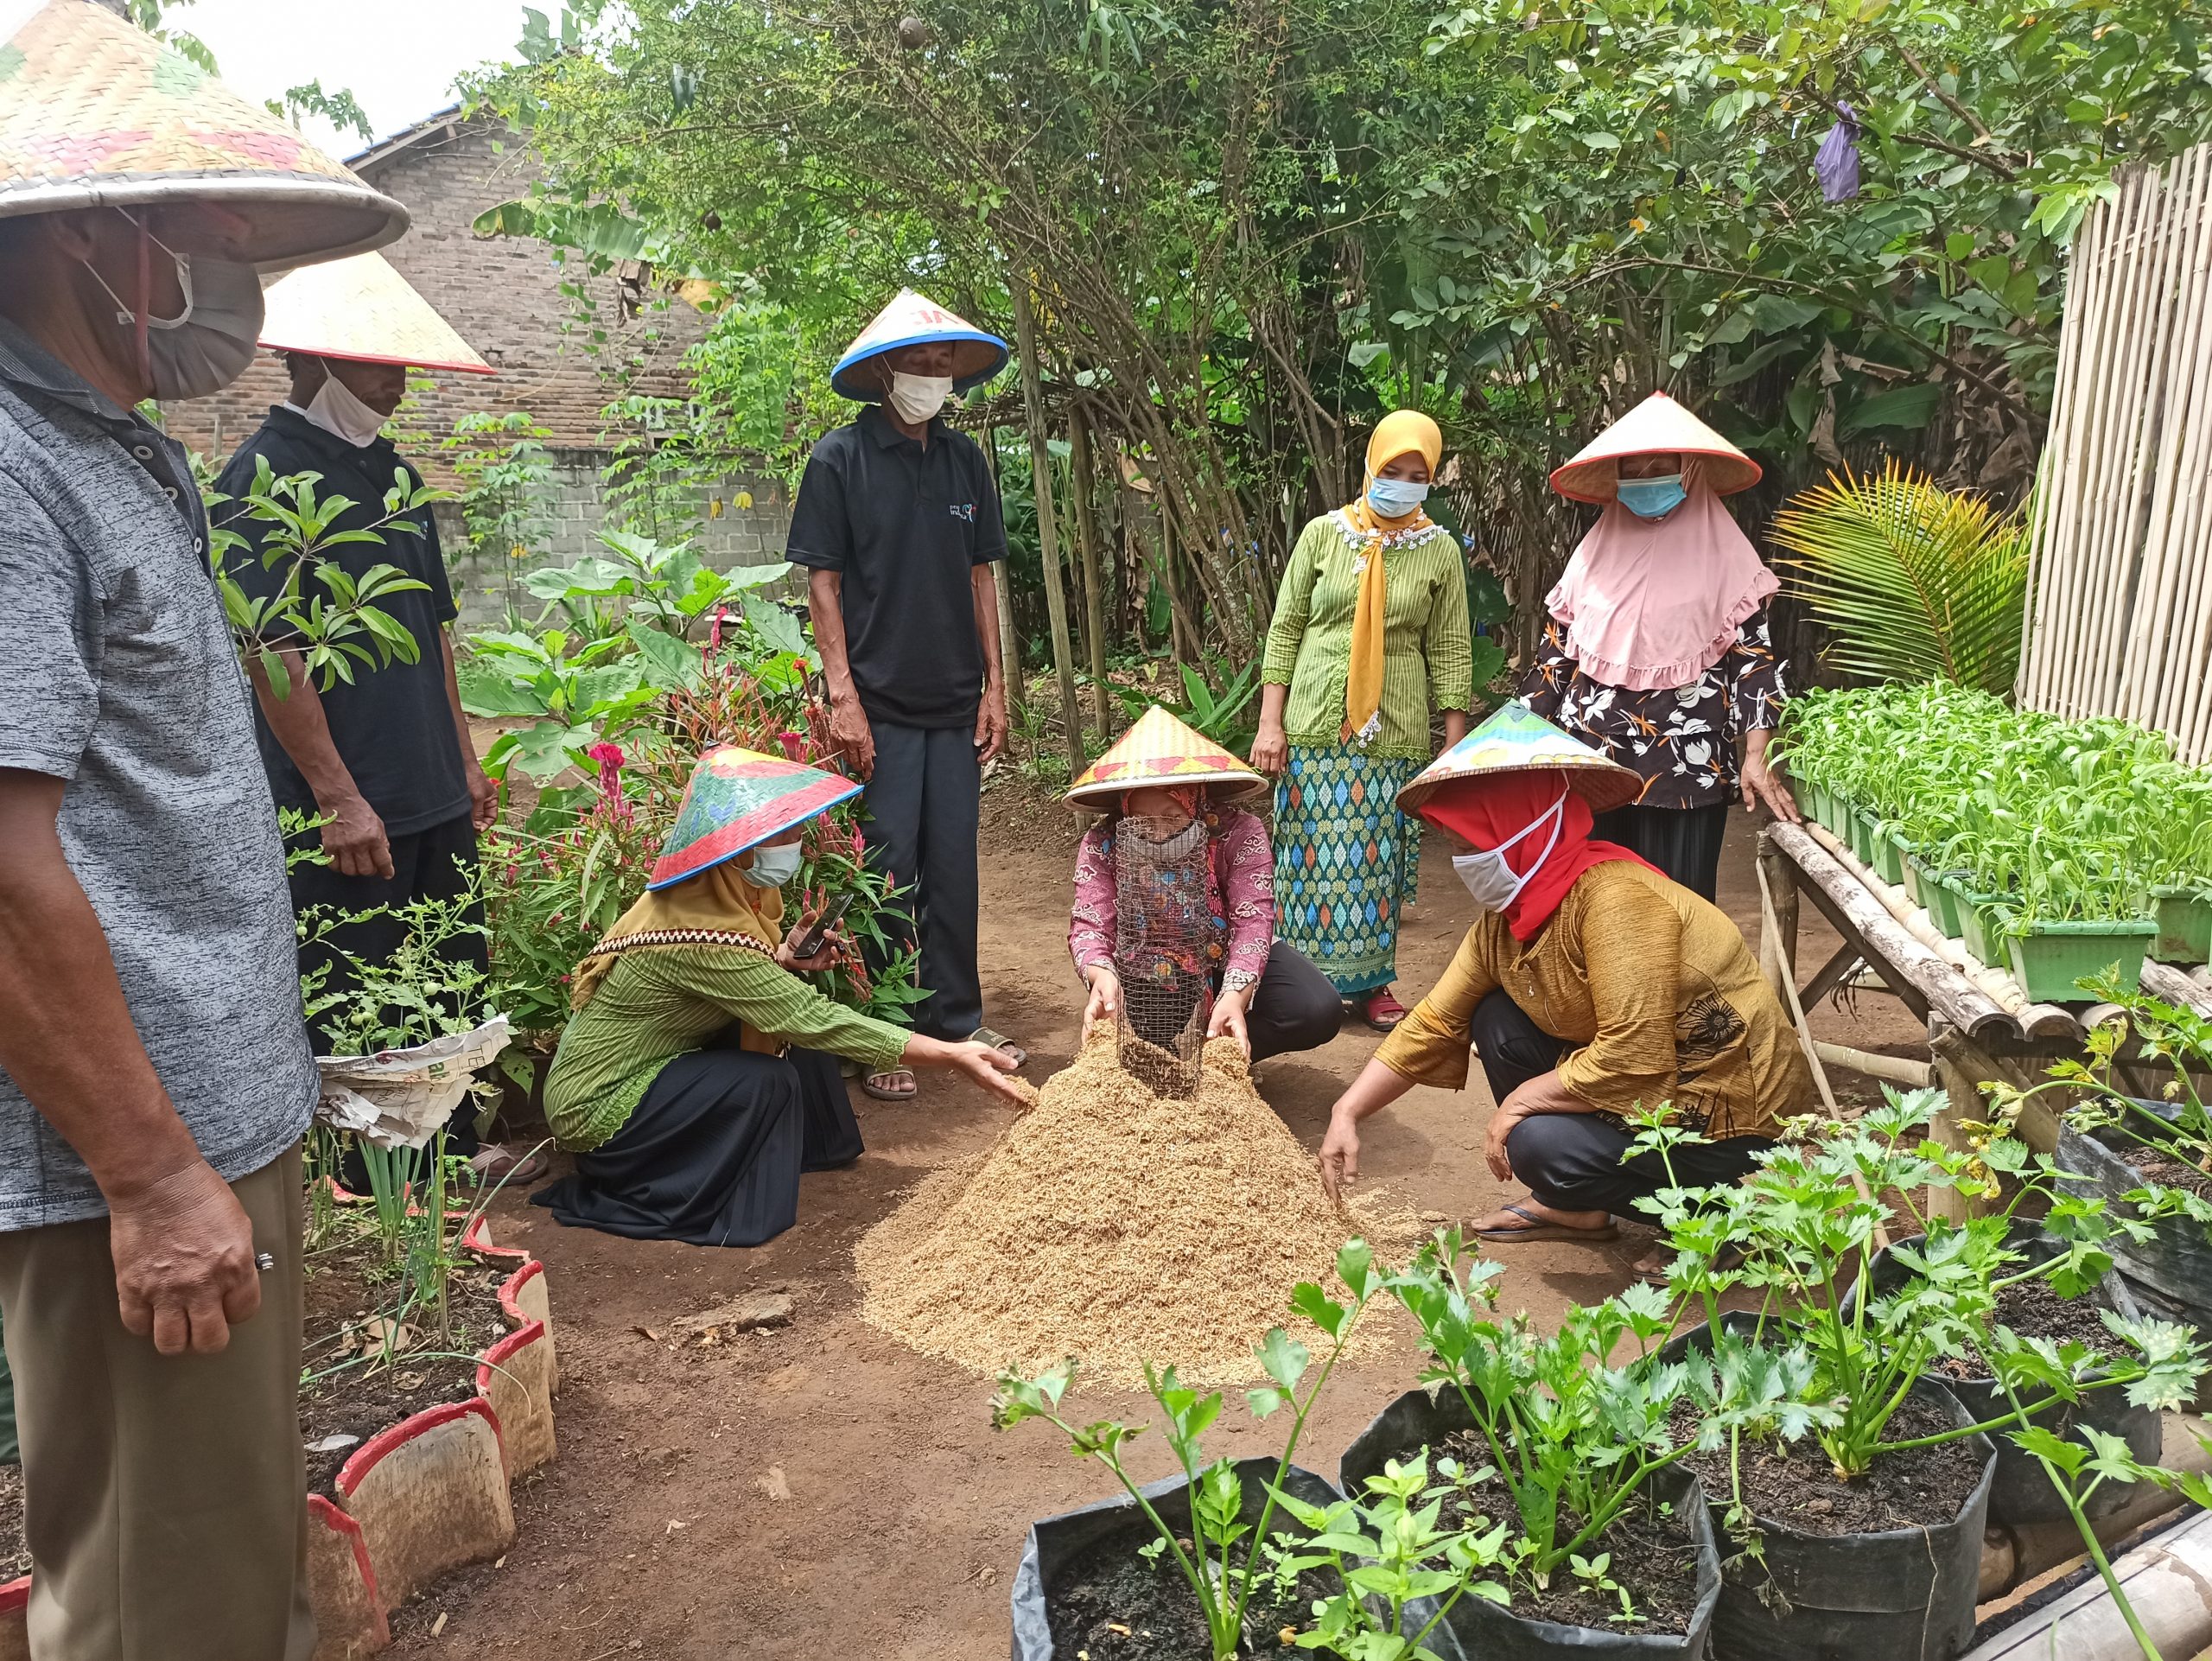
[1346, 862]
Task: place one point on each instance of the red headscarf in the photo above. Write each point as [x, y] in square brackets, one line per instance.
[1486, 810]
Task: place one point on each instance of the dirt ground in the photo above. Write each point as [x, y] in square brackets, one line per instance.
[821, 1491]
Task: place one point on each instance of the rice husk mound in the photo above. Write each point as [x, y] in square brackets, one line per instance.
[1119, 1227]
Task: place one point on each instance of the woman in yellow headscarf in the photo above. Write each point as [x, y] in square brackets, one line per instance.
[1369, 634]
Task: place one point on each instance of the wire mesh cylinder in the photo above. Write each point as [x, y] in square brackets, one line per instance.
[1165, 937]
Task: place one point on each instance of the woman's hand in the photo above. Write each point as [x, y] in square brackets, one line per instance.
[1762, 786]
[1340, 1157]
[1270, 748]
[834, 946]
[1510, 1113]
[1105, 1003]
[980, 1063]
[1228, 1017]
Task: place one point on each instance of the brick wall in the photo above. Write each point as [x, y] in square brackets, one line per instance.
[503, 295]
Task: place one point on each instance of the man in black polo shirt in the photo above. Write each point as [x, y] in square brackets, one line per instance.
[897, 522]
[386, 757]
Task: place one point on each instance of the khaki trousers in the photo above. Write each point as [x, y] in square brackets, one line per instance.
[165, 1495]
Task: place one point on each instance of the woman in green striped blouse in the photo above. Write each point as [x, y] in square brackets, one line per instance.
[1369, 633]
[697, 1076]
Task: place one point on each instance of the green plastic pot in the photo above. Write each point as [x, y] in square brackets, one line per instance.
[1889, 855]
[1908, 860]
[1862, 835]
[2184, 920]
[1814, 800]
[2050, 957]
[1978, 926]
[1942, 893]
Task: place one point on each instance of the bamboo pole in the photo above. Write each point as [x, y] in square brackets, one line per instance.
[1009, 636]
[1081, 484]
[2087, 288]
[2185, 707]
[1048, 553]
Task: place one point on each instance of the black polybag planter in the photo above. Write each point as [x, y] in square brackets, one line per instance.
[2020, 1492]
[1481, 1628]
[1053, 1540]
[1891, 1594]
[2170, 1272]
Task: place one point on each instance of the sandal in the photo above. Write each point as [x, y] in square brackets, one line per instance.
[1538, 1229]
[878, 1085]
[1379, 1010]
[1001, 1042]
[495, 1165]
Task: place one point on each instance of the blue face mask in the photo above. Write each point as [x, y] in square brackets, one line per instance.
[772, 866]
[1395, 498]
[1648, 498]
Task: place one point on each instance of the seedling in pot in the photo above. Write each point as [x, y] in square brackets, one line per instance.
[1223, 1560]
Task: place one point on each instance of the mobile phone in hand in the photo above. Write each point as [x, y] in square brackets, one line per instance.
[810, 942]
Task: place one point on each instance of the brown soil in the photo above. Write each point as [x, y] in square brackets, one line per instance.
[1113, 1606]
[1793, 1484]
[855, 1424]
[15, 1556]
[1654, 1560]
[2033, 1309]
[2169, 1172]
[346, 1288]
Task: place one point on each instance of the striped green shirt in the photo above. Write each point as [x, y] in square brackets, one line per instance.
[1427, 658]
[659, 1002]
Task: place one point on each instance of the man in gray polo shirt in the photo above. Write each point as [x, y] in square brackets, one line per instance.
[154, 1073]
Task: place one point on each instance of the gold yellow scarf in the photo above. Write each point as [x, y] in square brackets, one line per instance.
[716, 907]
[1402, 432]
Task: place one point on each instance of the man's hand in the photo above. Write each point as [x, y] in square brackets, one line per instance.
[483, 796]
[1270, 749]
[848, 726]
[184, 1267]
[354, 838]
[1340, 1157]
[1228, 1017]
[990, 726]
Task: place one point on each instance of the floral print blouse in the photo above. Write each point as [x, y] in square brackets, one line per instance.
[1240, 893]
[1680, 740]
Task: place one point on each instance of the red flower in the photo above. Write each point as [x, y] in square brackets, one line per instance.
[794, 746]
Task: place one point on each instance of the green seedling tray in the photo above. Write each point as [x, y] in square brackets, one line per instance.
[2184, 920]
[2051, 958]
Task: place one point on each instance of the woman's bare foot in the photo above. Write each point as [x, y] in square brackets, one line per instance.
[1530, 1219]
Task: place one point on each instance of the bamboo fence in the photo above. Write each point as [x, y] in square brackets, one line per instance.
[2119, 617]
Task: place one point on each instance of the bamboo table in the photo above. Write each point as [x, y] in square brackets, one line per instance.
[1982, 1028]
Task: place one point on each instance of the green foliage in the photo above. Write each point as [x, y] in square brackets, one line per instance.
[1221, 1560]
[319, 609]
[339, 109]
[429, 987]
[1914, 581]
[1226, 716]
[506, 479]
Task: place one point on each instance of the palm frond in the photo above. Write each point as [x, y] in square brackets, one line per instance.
[1913, 581]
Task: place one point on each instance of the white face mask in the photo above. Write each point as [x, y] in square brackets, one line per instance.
[208, 343]
[917, 399]
[339, 413]
[772, 866]
[1493, 884]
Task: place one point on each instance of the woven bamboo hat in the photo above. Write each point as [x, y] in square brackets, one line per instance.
[1160, 750]
[361, 310]
[1518, 740]
[915, 320]
[1656, 426]
[737, 799]
[94, 113]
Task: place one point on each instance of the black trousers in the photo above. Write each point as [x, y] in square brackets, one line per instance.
[1293, 1007]
[1682, 842]
[713, 1154]
[1575, 1161]
[923, 804]
[434, 864]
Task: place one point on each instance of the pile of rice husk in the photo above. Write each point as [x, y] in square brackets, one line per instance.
[1120, 1227]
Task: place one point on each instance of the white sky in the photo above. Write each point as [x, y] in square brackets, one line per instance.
[399, 58]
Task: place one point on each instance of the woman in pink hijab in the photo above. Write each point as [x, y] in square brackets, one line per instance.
[1657, 650]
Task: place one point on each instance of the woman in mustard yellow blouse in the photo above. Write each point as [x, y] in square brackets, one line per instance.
[1590, 985]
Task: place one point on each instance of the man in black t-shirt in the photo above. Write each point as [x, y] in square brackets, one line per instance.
[386, 757]
[898, 523]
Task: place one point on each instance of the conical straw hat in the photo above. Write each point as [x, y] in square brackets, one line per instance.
[362, 309]
[1657, 424]
[95, 113]
[1518, 740]
[1160, 750]
[738, 798]
[915, 320]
